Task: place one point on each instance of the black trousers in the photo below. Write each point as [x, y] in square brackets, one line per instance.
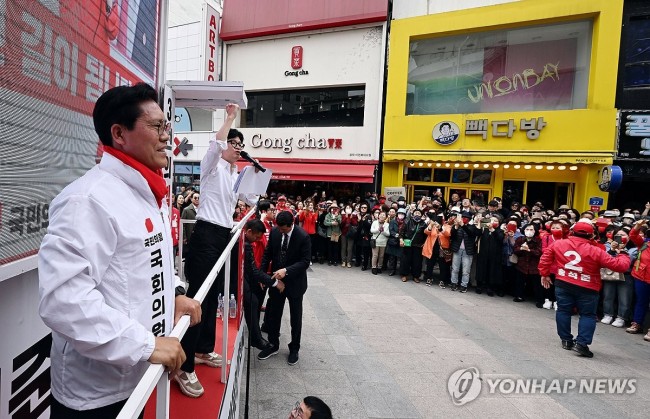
[411, 262]
[445, 270]
[362, 252]
[59, 411]
[252, 306]
[273, 317]
[207, 243]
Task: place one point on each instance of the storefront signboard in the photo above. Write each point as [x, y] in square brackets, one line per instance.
[505, 128]
[393, 192]
[610, 178]
[634, 135]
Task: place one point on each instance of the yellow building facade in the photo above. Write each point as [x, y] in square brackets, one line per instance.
[513, 100]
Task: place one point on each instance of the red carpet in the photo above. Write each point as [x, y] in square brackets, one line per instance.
[206, 406]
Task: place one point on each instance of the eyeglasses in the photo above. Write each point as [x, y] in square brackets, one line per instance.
[296, 412]
[162, 127]
[237, 144]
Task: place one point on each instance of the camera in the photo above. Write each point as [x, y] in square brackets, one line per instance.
[618, 239]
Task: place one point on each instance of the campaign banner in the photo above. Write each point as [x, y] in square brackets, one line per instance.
[56, 58]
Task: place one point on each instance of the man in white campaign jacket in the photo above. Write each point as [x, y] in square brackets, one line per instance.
[106, 269]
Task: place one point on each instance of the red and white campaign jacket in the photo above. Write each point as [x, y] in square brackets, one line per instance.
[106, 283]
[578, 262]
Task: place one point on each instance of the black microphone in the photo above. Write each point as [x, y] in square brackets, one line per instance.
[251, 160]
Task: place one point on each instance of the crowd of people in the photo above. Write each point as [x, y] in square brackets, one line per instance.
[494, 248]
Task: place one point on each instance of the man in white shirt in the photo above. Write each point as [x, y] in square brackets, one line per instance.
[208, 241]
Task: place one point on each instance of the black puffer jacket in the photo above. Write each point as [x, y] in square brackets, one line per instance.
[466, 234]
[414, 231]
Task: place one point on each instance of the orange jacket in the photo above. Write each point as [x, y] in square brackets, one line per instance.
[434, 234]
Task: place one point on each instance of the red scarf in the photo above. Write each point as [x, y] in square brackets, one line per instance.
[154, 179]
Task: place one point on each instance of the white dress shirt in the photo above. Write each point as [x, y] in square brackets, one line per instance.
[218, 177]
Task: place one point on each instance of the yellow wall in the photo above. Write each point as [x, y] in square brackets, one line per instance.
[585, 137]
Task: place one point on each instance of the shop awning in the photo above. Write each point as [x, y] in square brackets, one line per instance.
[322, 172]
[501, 156]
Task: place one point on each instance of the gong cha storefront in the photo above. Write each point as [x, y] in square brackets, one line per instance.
[510, 108]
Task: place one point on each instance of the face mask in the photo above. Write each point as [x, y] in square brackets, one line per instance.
[557, 234]
[400, 216]
[495, 225]
[465, 220]
[609, 235]
[624, 239]
[436, 206]
[417, 218]
[529, 234]
[348, 211]
[401, 202]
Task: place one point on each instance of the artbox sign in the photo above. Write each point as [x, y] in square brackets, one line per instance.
[296, 63]
[210, 40]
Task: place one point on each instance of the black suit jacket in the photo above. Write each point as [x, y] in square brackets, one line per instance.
[297, 262]
[252, 274]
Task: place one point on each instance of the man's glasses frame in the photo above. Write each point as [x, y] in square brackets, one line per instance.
[296, 412]
[236, 144]
[162, 127]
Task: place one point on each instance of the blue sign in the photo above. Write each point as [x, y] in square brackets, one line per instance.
[596, 200]
[610, 179]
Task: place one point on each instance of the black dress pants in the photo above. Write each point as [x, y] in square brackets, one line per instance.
[252, 314]
[207, 243]
[273, 317]
[59, 411]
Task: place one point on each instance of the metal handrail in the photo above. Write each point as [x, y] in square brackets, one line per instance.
[153, 376]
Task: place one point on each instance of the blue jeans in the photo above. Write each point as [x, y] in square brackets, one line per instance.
[621, 291]
[586, 302]
[461, 257]
[642, 297]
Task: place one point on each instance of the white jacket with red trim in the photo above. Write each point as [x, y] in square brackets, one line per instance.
[578, 262]
[106, 284]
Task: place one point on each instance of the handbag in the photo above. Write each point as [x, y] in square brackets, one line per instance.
[513, 259]
[446, 254]
[407, 242]
[321, 231]
[373, 242]
[609, 275]
[335, 237]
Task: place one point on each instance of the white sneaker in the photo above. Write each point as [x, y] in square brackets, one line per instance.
[547, 304]
[618, 322]
[212, 359]
[189, 384]
[607, 319]
[555, 305]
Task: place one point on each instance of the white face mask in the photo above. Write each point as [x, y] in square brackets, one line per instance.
[529, 234]
[348, 211]
[400, 216]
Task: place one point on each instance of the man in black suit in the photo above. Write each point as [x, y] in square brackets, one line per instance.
[289, 253]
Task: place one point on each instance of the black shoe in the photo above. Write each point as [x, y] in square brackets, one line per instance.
[378, 271]
[374, 271]
[329, 263]
[335, 264]
[568, 344]
[463, 289]
[479, 290]
[268, 352]
[517, 299]
[261, 345]
[583, 350]
[442, 284]
[363, 268]
[293, 358]
[392, 273]
[454, 287]
[500, 293]
[490, 293]
[357, 264]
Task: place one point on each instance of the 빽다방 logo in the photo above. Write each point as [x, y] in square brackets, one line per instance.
[445, 133]
[464, 385]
